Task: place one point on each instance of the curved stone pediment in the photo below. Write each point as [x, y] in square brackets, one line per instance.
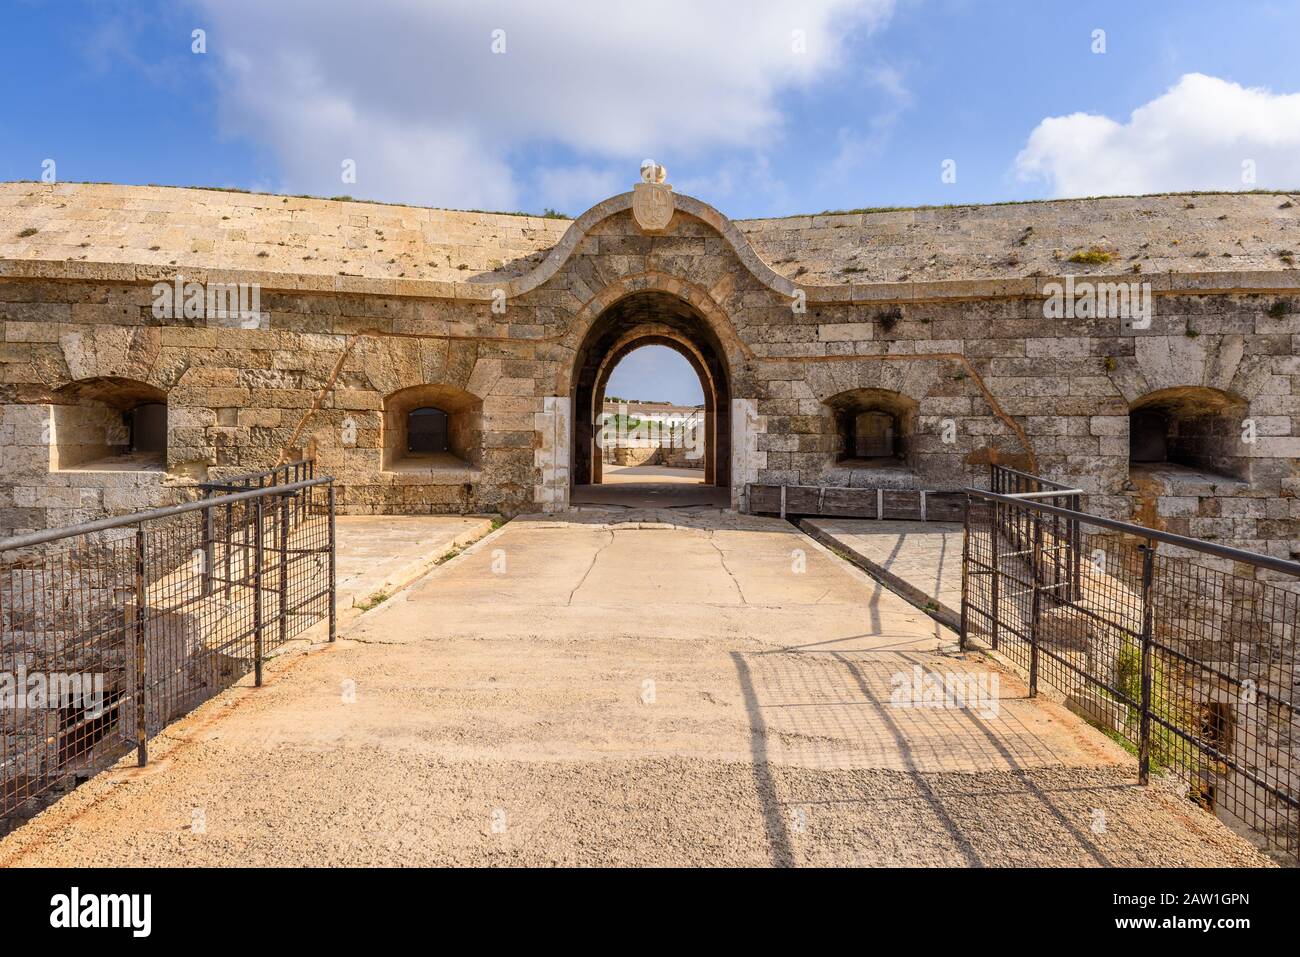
[622, 203]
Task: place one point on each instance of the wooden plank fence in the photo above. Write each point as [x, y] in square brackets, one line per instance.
[884, 503]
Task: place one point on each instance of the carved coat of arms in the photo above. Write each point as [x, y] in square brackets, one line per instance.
[652, 199]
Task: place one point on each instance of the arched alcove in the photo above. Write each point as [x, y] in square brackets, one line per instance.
[109, 422]
[874, 428]
[1189, 428]
[432, 426]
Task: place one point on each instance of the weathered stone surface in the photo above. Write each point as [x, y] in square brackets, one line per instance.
[363, 301]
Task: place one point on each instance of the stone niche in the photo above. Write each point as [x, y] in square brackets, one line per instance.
[108, 423]
[872, 430]
[1192, 429]
[432, 428]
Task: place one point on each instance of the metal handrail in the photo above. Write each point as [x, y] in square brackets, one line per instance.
[1169, 538]
[1138, 648]
[136, 518]
[1050, 493]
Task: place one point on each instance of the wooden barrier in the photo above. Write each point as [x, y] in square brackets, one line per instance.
[906, 504]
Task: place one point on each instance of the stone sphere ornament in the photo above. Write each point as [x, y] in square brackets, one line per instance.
[652, 172]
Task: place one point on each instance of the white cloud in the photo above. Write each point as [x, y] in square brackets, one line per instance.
[412, 91]
[1197, 135]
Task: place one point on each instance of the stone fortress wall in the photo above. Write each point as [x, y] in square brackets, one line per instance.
[933, 318]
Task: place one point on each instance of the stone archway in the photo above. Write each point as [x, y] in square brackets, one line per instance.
[650, 318]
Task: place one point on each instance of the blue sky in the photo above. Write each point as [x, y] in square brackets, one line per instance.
[655, 374]
[762, 108]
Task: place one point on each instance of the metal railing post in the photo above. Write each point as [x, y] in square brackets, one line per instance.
[230, 543]
[1035, 603]
[1058, 560]
[209, 551]
[141, 651]
[1144, 733]
[1076, 550]
[1019, 485]
[995, 512]
[333, 555]
[257, 594]
[284, 568]
[246, 539]
[965, 576]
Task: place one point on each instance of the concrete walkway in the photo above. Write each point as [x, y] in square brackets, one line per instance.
[380, 554]
[675, 689]
[919, 560]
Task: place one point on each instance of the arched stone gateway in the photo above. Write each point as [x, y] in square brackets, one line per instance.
[639, 319]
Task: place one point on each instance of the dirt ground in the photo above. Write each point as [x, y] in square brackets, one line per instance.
[685, 688]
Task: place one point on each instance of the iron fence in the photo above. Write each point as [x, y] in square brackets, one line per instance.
[302, 470]
[113, 629]
[1182, 650]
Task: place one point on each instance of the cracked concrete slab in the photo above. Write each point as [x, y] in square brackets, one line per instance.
[386, 552]
[919, 560]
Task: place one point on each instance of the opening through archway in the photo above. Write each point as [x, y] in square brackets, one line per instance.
[650, 424]
[655, 447]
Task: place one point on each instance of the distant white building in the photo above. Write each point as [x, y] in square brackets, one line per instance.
[661, 413]
[652, 433]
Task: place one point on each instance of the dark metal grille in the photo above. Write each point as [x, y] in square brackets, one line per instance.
[111, 630]
[1182, 650]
